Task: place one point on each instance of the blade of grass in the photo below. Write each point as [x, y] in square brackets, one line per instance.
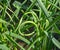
[14, 42]
[56, 19]
[18, 36]
[43, 7]
[32, 44]
[3, 21]
[54, 5]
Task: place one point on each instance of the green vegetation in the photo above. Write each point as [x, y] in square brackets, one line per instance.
[29, 24]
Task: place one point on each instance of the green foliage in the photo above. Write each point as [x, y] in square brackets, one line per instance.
[29, 25]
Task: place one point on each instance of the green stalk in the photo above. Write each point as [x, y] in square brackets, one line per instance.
[13, 42]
